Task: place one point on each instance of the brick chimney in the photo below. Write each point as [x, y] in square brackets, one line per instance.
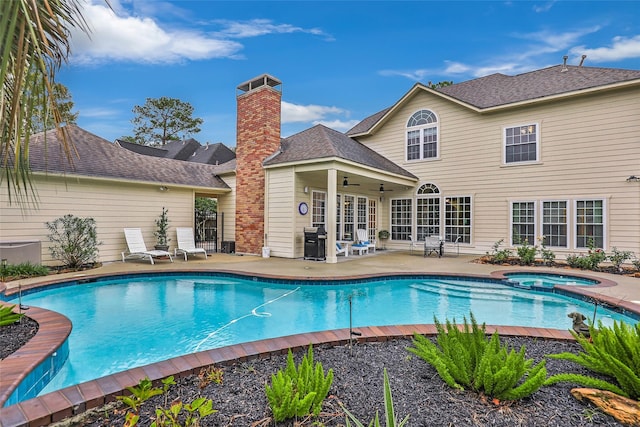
[258, 136]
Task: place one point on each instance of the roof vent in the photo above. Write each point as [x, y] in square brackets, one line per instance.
[564, 64]
[582, 60]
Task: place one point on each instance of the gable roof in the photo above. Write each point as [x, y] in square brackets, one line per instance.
[321, 142]
[499, 90]
[96, 157]
[181, 150]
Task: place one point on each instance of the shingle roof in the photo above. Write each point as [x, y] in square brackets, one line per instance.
[321, 142]
[181, 150]
[212, 154]
[501, 90]
[147, 150]
[97, 157]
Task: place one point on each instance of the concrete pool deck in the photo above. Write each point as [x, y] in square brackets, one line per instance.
[617, 290]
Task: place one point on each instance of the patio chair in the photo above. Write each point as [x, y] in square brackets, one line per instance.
[137, 248]
[341, 250]
[432, 244]
[187, 243]
[363, 240]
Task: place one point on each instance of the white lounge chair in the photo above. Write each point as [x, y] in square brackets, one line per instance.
[137, 248]
[364, 240]
[187, 243]
[342, 250]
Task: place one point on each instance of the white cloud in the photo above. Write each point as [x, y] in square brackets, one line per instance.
[544, 7]
[261, 27]
[621, 48]
[292, 113]
[99, 112]
[136, 39]
[339, 125]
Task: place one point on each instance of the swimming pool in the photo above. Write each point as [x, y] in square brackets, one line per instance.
[548, 280]
[128, 322]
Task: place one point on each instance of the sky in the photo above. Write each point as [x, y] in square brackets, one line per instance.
[339, 61]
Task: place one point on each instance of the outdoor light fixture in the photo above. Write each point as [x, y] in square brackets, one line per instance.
[633, 178]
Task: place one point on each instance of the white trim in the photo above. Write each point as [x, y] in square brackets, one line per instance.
[420, 129]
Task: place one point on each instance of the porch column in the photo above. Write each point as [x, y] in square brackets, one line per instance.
[332, 193]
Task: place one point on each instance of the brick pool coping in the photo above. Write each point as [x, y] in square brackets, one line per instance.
[55, 328]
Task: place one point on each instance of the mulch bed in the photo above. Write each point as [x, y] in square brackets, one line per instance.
[358, 385]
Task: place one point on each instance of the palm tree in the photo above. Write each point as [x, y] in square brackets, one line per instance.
[34, 37]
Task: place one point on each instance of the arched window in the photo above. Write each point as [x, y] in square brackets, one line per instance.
[422, 135]
[428, 211]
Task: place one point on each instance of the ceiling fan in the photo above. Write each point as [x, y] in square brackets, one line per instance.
[345, 183]
[381, 189]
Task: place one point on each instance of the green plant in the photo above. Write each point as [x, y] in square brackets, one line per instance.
[25, 269]
[194, 412]
[383, 234]
[162, 228]
[526, 252]
[636, 264]
[547, 255]
[389, 411]
[7, 316]
[614, 352]
[296, 392]
[617, 258]
[498, 255]
[140, 394]
[74, 240]
[466, 358]
[590, 261]
[212, 374]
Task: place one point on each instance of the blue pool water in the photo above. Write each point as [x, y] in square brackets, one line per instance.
[124, 323]
[548, 280]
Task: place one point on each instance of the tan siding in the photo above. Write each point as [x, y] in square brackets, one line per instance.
[114, 206]
[280, 212]
[589, 146]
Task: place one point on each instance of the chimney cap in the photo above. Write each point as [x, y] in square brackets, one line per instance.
[259, 81]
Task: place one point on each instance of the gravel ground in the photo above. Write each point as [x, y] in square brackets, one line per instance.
[358, 377]
[12, 337]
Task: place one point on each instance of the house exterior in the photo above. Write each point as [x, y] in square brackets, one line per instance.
[547, 156]
[548, 153]
[116, 187]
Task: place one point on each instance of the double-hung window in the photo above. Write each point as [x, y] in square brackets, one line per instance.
[422, 136]
[554, 223]
[523, 223]
[521, 143]
[589, 223]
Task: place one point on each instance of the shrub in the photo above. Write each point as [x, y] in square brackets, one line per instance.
[547, 255]
[526, 252]
[590, 261]
[7, 316]
[497, 255]
[614, 352]
[389, 411]
[74, 240]
[25, 269]
[296, 392]
[617, 258]
[636, 264]
[466, 359]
